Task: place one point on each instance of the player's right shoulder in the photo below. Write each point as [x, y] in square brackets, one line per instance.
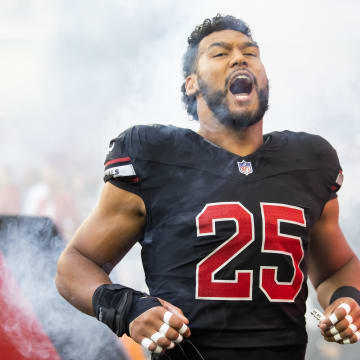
[142, 141]
[133, 152]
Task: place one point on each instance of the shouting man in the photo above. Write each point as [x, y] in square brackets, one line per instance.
[231, 222]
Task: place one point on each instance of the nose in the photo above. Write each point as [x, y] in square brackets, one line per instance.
[238, 59]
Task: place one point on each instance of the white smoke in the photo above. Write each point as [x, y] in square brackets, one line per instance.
[31, 248]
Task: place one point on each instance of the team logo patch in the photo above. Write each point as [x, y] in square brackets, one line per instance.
[340, 178]
[338, 182]
[120, 171]
[245, 167]
[119, 167]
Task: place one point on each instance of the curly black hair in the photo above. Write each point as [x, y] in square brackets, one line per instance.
[217, 23]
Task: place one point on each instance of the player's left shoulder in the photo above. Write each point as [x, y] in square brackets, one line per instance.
[315, 149]
[312, 143]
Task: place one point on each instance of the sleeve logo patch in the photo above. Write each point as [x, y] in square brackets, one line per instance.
[120, 171]
[119, 167]
[338, 182]
[340, 178]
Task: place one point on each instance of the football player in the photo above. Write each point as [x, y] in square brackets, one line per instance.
[231, 222]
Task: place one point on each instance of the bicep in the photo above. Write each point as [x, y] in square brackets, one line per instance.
[328, 249]
[112, 228]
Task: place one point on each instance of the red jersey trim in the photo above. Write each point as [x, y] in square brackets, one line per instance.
[124, 159]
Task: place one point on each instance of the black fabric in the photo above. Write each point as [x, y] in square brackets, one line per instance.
[121, 148]
[116, 306]
[346, 291]
[140, 305]
[293, 352]
[184, 351]
[180, 175]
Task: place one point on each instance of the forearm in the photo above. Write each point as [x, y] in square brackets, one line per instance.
[77, 279]
[348, 275]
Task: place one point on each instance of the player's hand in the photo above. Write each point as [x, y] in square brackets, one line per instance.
[160, 327]
[342, 321]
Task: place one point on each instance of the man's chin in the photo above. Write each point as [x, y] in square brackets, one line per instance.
[241, 116]
[243, 101]
[239, 121]
[238, 105]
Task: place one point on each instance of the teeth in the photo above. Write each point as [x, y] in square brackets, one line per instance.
[242, 77]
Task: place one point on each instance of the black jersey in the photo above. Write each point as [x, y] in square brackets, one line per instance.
[226, 236]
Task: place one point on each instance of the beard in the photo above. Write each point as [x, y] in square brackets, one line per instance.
[216, 101]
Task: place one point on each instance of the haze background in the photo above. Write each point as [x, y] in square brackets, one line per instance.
[74, 74]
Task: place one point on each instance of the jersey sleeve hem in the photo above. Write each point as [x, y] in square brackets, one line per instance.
[125, 186]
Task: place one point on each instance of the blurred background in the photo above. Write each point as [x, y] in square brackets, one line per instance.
[74, 74]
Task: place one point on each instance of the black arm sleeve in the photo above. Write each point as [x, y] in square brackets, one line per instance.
[328, 178]
[333, 173]
[120, 163]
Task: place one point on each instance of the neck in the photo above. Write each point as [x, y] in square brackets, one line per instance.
[240, 142]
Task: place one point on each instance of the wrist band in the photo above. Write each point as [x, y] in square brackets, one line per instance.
[116, 306]
[346, 291]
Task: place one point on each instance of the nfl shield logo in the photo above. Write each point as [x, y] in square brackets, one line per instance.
[245, 167]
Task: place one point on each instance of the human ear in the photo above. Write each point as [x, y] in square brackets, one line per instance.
[191, 85]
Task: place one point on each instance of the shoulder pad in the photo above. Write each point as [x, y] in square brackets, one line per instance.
[318, 154]
[118, 162]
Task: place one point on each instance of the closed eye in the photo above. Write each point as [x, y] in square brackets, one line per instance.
[250, 54]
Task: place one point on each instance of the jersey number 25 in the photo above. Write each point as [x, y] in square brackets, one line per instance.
[273, 241]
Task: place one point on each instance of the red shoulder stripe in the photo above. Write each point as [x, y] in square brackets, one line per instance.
[124, 159]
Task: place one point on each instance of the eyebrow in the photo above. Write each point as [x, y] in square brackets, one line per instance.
[227, 46]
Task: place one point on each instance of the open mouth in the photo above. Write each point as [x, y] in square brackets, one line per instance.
[241, 85]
